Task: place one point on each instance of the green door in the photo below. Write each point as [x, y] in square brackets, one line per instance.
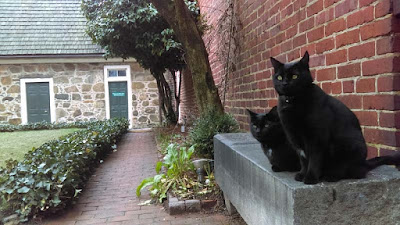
[118, 99]
[38, 102]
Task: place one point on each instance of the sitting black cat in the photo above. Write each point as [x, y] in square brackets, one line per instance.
[267, 129]
[325, 133]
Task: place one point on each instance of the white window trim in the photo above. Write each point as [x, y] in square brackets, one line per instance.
[127, 78]
[24, 108]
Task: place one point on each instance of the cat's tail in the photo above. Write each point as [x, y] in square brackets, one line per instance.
[384, 160]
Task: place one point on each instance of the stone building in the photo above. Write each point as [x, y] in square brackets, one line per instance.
[50, 70]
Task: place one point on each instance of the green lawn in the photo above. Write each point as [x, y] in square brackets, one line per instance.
[15, 144]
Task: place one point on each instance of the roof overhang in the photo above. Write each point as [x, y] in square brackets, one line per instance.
[78, 58]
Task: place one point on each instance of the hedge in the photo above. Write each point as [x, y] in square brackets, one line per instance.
[52, 176]
[44, 126]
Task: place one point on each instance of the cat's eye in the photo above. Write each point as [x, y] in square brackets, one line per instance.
[266, 125]
[255, 126]
[294, 77]
[279, 78]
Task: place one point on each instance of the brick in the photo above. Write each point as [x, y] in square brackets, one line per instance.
[380, 137]
[362, 51]
[376, 28]
[330, 2]
[365, 2]
[351, 70]
[317, 60]
[349, 37]
[367, 118]
[382, 8]
[336, 87]
[365, 85]
[360, 17]
[348, 86]
[306, 24]
[325, 45]
[345, 7]
[384, 151]
[389, 83]
[335, 26]
[372, 152]
[384, 45]
[310, 48]
[380, 102]
[336, 57]
[389, 119]
[325, 16]
[378, 66]
[351, 101]
[327, 87]
[326, 74]
[315, 8]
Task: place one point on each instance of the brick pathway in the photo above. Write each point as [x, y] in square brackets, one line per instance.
[109, 197]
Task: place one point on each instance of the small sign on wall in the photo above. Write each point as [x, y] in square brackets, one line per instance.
[118, 94]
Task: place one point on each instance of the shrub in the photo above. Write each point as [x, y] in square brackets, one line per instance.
[206, 127]
[178, 164]
[44, 126]
[52, 176]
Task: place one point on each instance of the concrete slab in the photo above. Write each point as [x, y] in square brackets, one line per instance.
[262, 196]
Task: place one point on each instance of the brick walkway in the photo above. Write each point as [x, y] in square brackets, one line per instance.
[109, 197]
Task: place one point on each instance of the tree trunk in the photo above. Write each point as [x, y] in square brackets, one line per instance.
[181, 21]
[164, 93]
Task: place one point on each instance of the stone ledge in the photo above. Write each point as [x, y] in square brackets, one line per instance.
[262, 196]
[174, 206]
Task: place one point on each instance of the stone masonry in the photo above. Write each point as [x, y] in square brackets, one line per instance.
[79, 91]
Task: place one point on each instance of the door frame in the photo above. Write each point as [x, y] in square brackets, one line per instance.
[24, 107]
[127, 78]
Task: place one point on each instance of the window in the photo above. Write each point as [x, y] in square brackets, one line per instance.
[116, 73]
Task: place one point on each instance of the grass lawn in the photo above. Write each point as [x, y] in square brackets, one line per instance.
[15, 144]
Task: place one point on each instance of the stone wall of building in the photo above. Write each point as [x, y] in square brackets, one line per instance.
[79, 91]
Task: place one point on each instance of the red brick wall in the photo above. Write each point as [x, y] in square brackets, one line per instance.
[355, 56]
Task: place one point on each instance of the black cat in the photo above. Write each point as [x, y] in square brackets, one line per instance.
[325, 133]
[267, 129]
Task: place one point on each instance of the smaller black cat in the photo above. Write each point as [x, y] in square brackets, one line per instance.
[267, 129]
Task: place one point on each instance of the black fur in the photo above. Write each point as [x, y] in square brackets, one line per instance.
[325, 133]
[267, 129]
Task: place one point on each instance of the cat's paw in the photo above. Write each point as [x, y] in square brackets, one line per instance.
[299, 177]
[276, 169]
[310, 180]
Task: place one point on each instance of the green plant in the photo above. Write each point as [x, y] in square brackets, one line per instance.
[53, 175]
[206, 127]
[178, 165]
[44, 126]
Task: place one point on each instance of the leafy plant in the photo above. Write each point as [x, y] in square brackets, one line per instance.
[53, 175]
[44, 126]
[178, 165]
[206, 127]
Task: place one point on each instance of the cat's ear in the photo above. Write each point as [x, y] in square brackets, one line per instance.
[305, 59]
[276, 64]
[251, 113]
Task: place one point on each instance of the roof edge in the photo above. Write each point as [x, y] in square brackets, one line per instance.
[70, 58]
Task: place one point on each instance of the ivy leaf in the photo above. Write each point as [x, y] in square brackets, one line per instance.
[23, 190]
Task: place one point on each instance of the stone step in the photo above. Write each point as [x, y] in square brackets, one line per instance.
[262, 196]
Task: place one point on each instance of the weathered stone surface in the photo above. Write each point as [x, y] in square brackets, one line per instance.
[43, 67]
[61, 80]
[66, 104]
[83, 67]
[77, 113]
[14, 89]
[145, 103]
[135, 113]
[71, 89]
[98, 87]
[15, 69]
[88, 114]
[30, 68]
[133, 97]
[155, 102]
[55, 89]
[76, 80]
[100, 96]
[76, 97]
[86, 87]
[3, 118]
[142, 119]
[69, 67]
[137, 85]
[61, 113]
[192, 205]
[57, 67]
[2, 108]
[262, 196]
[87, 97]
[62, 96]
[152, 85]
[99, 104]
[150, 110]
[15, 121]
[8, 98]
[6, 80]
[154, 118]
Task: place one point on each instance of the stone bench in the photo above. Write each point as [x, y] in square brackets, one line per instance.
[262, 196]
